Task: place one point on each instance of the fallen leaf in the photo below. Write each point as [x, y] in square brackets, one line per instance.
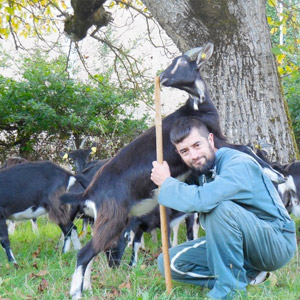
[42, 273]
[35, 265]
[43, 285]
[36, 253]
[125, 285]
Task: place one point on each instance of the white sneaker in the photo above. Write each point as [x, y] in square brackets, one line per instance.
[261, 277]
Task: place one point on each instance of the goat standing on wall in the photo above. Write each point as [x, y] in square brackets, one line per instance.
[123, 188]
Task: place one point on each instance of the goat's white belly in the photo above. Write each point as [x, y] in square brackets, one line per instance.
[29, 213]
[178, 220]
[145, 206]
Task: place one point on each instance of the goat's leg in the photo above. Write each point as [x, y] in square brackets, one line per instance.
[34, 226]
[192, 227]
[106, 233]
[136, 245]
[5, 241]
[175, 230]
[85, 223]
[80, 277]
[70, 235]
[11, 227]
[114, 254]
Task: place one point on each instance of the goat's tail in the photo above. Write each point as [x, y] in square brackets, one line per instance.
[111, 220]
[71, 198]
[82, 180]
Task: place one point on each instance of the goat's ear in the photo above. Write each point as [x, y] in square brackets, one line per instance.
[205, 54]
[63, 155]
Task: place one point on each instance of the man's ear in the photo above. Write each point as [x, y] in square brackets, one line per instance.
[211, 140]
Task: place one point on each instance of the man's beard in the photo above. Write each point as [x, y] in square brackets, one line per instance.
[210, 163]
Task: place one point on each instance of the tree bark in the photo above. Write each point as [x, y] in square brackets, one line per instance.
[242, 74]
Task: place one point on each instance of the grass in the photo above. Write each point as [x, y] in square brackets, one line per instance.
[45, 273]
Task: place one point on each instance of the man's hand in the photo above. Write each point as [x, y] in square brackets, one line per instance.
[160, 172]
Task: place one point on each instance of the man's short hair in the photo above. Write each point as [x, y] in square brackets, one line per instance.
[183, 127]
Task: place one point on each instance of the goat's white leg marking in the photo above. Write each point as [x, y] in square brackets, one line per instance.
[175, 229]
[11, 227]
[84, 228]
[87, 276]
[175, 223]
[76, 284]
[136, 251]
[154, 236]
[143, 242]
[67, 244]
[75, 239]
[131, 237]
[196, 226]
[13, 258]
[34, 226]
[71, 182]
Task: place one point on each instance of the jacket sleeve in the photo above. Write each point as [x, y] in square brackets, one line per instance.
[232, 182]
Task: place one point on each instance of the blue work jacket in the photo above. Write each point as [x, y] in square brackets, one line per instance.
[238, 178]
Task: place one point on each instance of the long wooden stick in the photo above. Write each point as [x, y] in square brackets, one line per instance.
[162, 209]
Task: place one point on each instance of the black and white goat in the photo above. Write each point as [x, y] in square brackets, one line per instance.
[151, 221]
[12, 161]
[32, 189]
[290, 189]
[85, 209]
[81, 157]
[122, 188]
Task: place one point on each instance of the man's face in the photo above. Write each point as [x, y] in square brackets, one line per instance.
[197, 151]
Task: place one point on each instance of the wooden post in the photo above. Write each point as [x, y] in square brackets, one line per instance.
[162, 209]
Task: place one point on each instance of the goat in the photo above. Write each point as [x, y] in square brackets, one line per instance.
[12, 161]
[122, 188]
[31, 189]
[289, 190]
[151, 221]
[137, 226]
[80, 157]
[84, 209]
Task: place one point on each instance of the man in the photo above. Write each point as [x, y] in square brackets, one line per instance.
[248, 230]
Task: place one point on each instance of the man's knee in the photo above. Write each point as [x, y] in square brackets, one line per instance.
[225, 214]
[224, 209]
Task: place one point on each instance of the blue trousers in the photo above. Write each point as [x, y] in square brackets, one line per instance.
[237, 246]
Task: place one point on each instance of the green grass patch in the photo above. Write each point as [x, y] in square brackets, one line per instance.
[45, 273]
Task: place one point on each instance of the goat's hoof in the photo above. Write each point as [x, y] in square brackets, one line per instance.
[16, 265]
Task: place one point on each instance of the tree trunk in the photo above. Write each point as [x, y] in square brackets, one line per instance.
[242, 74]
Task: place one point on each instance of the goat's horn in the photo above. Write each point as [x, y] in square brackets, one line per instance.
[193, 51]
[83, 143]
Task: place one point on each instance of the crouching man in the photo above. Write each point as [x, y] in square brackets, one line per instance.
[248, 231]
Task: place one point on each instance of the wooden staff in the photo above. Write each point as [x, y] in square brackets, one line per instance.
[162, 209]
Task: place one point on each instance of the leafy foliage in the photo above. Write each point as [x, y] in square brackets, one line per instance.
[29, 17]
[40, 112]
[284, 21]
